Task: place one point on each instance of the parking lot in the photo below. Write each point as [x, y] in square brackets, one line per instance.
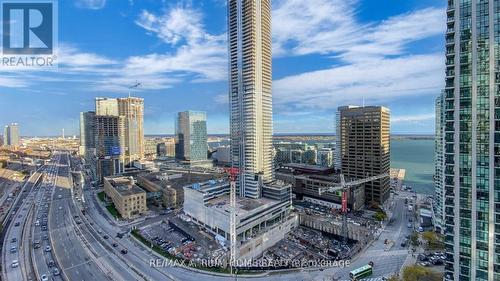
[431, 259]
[182, 241]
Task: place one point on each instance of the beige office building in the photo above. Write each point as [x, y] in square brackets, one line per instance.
[363, 144]
[128, 198]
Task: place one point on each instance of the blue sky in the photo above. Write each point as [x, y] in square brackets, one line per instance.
[326, 53]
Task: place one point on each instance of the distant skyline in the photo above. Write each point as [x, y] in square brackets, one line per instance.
[326, 53]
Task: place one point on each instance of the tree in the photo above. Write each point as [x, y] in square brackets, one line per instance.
[380, 215]
[420, 273]
[414, 239]
[433, 240]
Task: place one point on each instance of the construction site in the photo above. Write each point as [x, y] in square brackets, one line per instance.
[212, 220]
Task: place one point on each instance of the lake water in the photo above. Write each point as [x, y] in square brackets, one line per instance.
[417, 158]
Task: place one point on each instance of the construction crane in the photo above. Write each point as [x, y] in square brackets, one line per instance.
[135, 86]
[344, 187]
[233, 175]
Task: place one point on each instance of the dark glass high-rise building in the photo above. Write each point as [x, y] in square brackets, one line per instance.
[87, 135]
[363, 142]
[472, 140]
[191, 137]
[11, 135]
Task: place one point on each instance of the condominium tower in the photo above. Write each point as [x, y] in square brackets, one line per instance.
[132, 109]
[11, 135]
[363, 144]
[438, 204]
[109, 138]
[472, 140]
[250, 77]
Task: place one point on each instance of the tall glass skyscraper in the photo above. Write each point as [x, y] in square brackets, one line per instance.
[250, 79]
[87, 135]
[191, 137]
[11, 135]
[472, 140]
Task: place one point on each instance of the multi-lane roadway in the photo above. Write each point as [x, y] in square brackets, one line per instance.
[69, 244]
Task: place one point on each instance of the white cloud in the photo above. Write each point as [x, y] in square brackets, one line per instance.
[198, 52]
[91, 4]
[314, 26]
[222, 99]
[375, 81]
[330, 27]
[413, 118]
[175, 25]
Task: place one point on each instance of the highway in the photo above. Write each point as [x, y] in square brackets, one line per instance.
[79, 250]
[43, 258]
[84, 246]
[15, 266]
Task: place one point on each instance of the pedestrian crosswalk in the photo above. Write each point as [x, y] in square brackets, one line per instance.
[369, 279]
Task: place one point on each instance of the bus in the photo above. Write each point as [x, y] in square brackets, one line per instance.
[362, 272]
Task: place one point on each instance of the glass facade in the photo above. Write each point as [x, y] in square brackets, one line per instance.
[472, 140]
[191, 136]
[439, 196]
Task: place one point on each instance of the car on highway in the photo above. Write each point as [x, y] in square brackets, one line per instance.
[17, 223]
[409, 225]
[115, 245]
[60, 207]
[51, 263]
[48, 249]
[124, 251]
[44, 278]
[56, 271]
[13, 249]
[13, 240]
[105, 237]
[14, 264]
